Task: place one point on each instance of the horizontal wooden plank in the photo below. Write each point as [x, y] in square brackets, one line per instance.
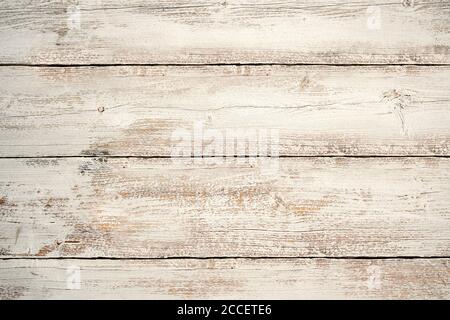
[230, 31]
[141, 111]
[243, 207]
[225, 279]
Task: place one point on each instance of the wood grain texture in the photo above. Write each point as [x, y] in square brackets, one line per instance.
[315, 110]
[227, 31]
[308, 207]
[119, 121]
[227, 279]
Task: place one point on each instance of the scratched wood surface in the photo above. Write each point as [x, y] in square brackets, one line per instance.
[102, 108]
[229, 279]
[315, 110]
[225, 31]
[153, 208]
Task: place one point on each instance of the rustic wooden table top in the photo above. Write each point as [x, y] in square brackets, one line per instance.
[227, 149]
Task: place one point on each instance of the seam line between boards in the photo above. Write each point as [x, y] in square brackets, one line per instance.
[223, 157]
[235, 258]
[57, 65]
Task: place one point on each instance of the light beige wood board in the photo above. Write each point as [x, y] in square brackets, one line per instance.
[225, 279]
[228, 31]
[311, 110]
[153, 208]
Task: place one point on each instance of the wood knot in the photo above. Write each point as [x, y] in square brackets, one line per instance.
[408, 3]
[402, 98]
[305, 82]
[101, 109]
[399, 101]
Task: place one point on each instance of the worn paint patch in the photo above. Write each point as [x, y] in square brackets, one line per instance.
[41, 162]
[307, 206]
[46, 250]
[132, 138]
[4, 252]
[8, 292]
[313, 206]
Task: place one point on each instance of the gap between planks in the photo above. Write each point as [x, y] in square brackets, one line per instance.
[100, 65]
[235, 258]
[99, 156]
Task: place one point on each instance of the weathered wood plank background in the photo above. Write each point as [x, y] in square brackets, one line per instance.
[351, 201]
[317, 110]
[229, 279]
[169, 207]
[225, 31]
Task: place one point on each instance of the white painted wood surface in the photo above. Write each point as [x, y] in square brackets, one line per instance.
[315, 110]
[319, 75]
[153, 208]
[225, 31]
[226, 279]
